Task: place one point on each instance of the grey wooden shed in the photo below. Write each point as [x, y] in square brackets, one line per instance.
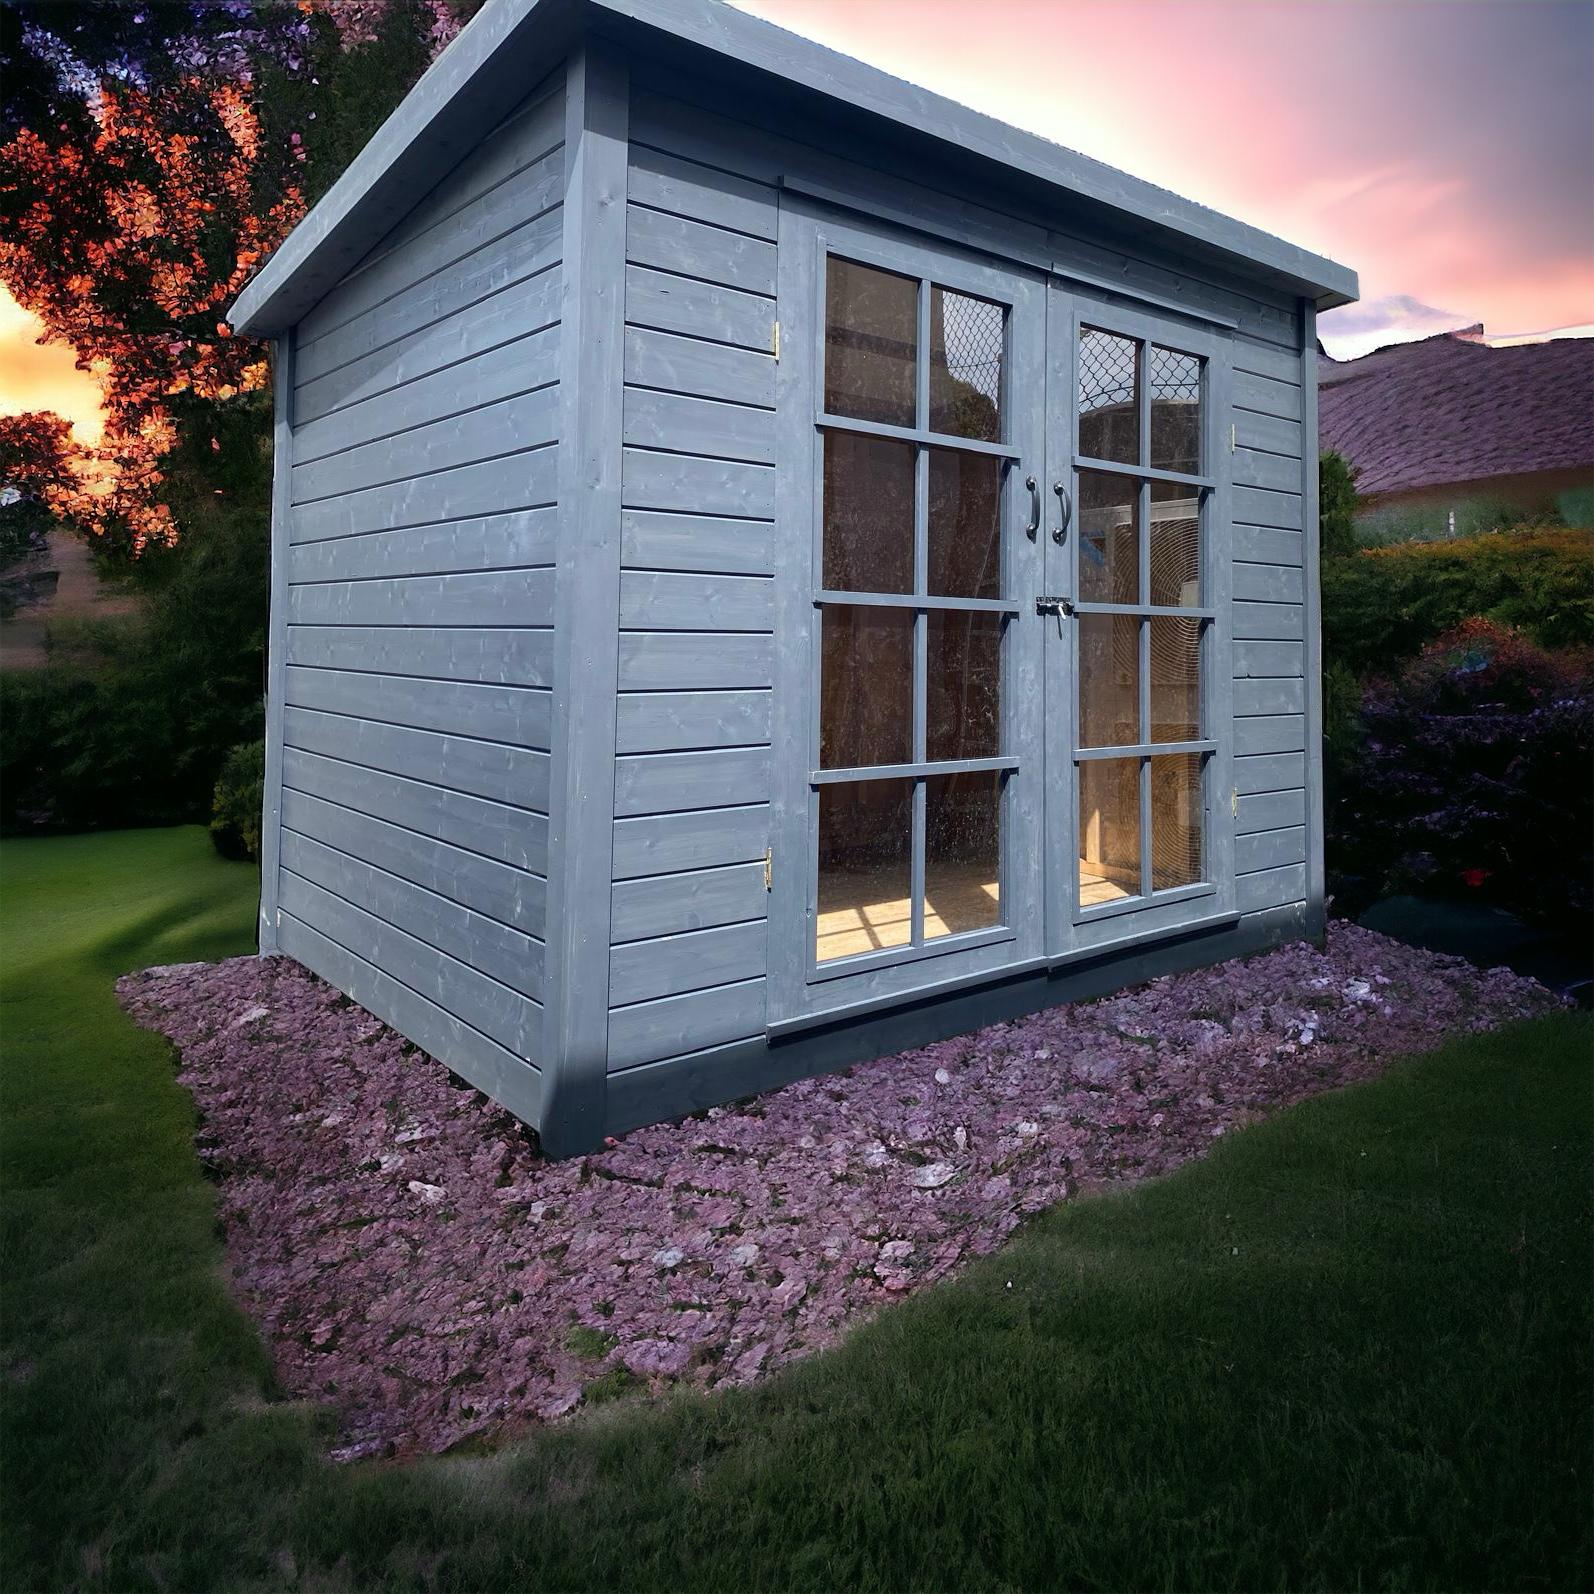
[771, 567]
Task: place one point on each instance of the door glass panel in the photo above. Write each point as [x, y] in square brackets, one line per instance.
[1109, 680]
[967, 341]
[1175, 545]
[868, 516]
[1109, 830]
[965, 524]
[1109, 397]
[1109, 541]
[1175, 383]
[963, 689]
[871, 343]
[1176, 809]
[865, 867]
[865, 686]
[1175, 680]
[962, 853]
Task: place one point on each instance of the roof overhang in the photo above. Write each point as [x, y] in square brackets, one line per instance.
[483, 75]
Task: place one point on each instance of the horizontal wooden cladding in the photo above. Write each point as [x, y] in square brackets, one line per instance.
[1274, 433]
[502, 1014]
[1255, 467]
[688, 425]
[670, 783]
[505, 954]
[514, 836]
[515, 897]
[662, 121]
[489, 542]
[647, 1031]
[1269, 772]
[1254, 697]
[511, 369]
[664, 601]
[515, 775]
[1279, 363]
[479, 597]
[689, 365]
[1265, 396]
[1267, 545]
[517, 145]
[1262, 659]
[1266, 583]
[650, 540]
[683, 483]
[1268, 622]
[1262, 506]
[518, 481]
[500, 315]
[700, 900]
[390, 284]
[674, 661]
[662, 242]
[1270, 888]
[525, 422]
[673, 843]
[662, 722]
[518, 715]
[1269, 849]
[1271, 733]
[643, 971]
[665, 181]
[1269, 810]
[507, 656]
[493, 1069]
[699, 309]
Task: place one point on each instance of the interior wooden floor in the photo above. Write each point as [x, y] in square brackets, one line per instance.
[865, 910]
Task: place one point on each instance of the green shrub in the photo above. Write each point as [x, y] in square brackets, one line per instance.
[1383, 605]
[236, 809]
[1336, 503]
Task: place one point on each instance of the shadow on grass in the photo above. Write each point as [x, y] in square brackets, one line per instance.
[1349, 1348]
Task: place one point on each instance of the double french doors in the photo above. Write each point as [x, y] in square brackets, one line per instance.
[999, 588]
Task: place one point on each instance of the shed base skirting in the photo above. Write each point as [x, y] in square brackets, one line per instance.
[682, 1085]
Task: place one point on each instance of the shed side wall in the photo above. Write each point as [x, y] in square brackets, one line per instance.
[693, 776]
[416, 586]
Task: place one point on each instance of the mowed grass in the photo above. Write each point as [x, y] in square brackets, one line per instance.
[1349, 1349]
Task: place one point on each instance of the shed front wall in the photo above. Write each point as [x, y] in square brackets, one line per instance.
[410, 717]
[698, 759]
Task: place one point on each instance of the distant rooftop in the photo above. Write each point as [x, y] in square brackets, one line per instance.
[1452, 408]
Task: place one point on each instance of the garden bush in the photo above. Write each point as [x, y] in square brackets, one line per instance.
[235, 814]
[1472, 775]
[1384, 605]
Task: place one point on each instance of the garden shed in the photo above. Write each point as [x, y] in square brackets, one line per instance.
[771, 566]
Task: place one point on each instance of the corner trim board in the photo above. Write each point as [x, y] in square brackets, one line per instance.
[276, 637]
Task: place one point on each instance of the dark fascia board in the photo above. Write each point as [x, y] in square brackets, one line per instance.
[497, 57]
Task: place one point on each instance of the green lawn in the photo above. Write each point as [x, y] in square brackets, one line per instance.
[1349, 1349]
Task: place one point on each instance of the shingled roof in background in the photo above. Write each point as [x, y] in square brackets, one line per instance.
[1451, 409]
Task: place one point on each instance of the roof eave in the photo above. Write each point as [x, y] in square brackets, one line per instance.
[475, 82]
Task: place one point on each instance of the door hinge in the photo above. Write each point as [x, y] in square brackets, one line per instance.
[1234, 437]
[774, 341]
[1234, 803]
[769, 868]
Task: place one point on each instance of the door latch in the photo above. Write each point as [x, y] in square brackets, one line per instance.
[1057, 606]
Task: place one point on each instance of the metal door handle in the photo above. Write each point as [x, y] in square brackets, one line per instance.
[1067, 503]
[1034, 525]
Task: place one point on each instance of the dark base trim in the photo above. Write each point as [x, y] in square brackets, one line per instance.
[659, 1091]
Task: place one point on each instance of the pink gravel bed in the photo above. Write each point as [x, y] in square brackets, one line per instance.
[417, 1265]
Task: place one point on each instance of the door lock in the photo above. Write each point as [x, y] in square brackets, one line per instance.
[1058, 606]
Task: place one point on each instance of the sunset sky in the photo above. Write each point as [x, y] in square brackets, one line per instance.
[1442, 148]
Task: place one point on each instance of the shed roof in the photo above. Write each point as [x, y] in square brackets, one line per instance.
[1448, 410]
[481, 76]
